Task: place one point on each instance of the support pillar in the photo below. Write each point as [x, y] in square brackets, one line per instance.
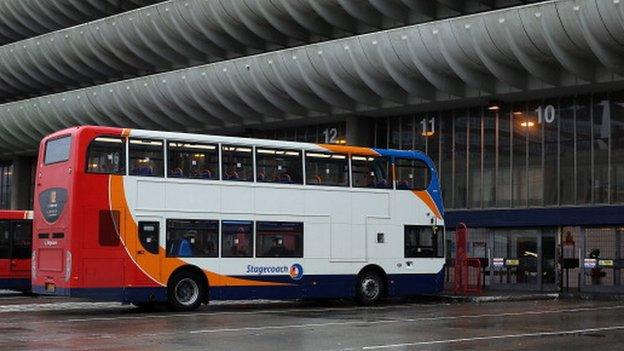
[22, 183]
[359, 131]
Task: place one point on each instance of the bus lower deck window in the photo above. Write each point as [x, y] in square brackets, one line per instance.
[279, 239]
[192, 238]
[423, 241]
[237, 239]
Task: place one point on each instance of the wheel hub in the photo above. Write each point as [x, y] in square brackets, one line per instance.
[370, 288]
[186, 292]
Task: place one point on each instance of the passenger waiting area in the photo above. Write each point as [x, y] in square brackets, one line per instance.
[566, 259]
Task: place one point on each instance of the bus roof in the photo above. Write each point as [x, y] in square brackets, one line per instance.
[207, 138]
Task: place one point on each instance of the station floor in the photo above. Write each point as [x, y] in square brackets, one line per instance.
[29, 323]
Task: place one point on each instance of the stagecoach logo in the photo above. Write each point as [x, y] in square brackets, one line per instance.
[296, 271]
[52, 202]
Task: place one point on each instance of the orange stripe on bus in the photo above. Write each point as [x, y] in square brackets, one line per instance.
[354, 150]
[426, 198]
[125, 132]
[159, 267]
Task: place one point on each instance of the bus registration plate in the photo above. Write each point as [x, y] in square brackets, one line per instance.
[50, 287]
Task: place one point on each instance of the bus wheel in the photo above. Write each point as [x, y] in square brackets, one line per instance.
[185, 291]
[369, 289]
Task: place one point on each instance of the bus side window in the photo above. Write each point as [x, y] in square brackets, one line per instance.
[5, 239]
[279, 239]
[279, 166]
[107, 155]
[423, 241]
[107, 231]
[370, 172]
[148, 235]
[237, 163]
[236, 239]
[188, 160]
[146, 158]
[327, 169]
[22, 239]
[412, 174]
[192, 238]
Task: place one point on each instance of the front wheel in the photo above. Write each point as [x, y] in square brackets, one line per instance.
[185, 291]
[369, 289]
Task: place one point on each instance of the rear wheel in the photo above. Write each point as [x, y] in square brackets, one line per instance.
[185, 291]
[370, 288]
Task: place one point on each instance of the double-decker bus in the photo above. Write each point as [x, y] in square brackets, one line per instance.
[148, 216]
[15, 250]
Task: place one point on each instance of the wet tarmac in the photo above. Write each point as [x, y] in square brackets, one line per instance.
[29, 323]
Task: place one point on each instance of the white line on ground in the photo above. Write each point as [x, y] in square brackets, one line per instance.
[494, 337]
[57, 306]
[239, 312]
[405, 320]
[292, 326]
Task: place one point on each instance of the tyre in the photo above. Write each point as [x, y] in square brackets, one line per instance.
[186, 291]
[370, 288]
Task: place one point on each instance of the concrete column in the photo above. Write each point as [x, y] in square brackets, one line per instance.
[359, 131]
[22, 183]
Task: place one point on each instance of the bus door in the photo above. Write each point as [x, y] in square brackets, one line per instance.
[148, 244]
[21, 246]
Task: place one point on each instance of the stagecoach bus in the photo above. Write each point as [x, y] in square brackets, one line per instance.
[145, 216]
[15, 250]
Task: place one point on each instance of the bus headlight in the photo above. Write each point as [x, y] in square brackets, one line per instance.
[68, 265]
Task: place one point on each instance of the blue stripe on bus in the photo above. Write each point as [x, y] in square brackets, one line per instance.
[309, 287]
[434, 186]
[15, 284]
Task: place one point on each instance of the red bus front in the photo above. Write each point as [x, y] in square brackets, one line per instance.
[15, 249]
[78, 240]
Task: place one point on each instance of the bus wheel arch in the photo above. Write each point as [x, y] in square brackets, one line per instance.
[371, 285]
[187, 288]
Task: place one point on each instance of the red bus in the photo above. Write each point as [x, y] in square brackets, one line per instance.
[15, 249]
[142, 216]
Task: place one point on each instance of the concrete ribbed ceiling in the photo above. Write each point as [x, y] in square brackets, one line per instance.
[181, 33]
[21, 19]
[546, 46]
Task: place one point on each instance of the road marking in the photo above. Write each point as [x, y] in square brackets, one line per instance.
[291, 326]
[494, 337]
[239, 312]
[57, 306]
[405, 320]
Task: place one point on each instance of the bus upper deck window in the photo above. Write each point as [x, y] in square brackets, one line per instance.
[189, 160]
[370, 172]
[327, 169]
[237, 163]
[107, 155]
[412, 174]
[146, 158]
[57, 150]
[280, 166]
